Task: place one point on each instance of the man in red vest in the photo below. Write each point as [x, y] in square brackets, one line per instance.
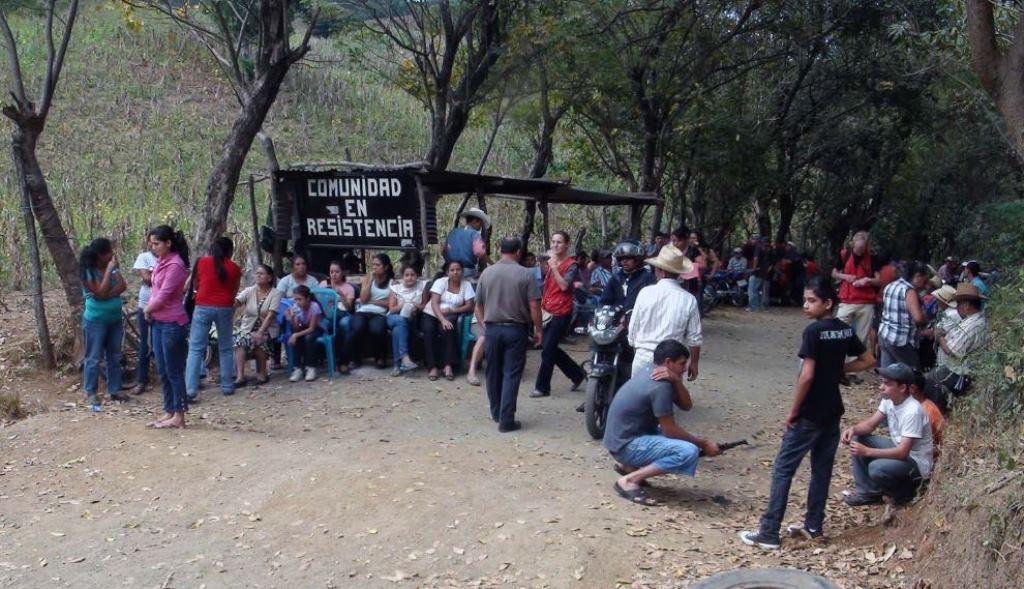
[857, 272]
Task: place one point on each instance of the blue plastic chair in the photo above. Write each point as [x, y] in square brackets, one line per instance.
[286, 331]
[328, 300]
[467, 340]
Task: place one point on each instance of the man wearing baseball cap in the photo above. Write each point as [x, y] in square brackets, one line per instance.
[466, 244]
[894, 466]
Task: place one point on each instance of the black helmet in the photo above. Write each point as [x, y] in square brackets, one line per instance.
[628, 249]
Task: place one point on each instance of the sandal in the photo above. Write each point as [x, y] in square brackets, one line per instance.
[618, 468]
[432, 377]
[263, 379]
[168, 425]
[473, 380]
[638, 496]
[137, 389]
[450, 376]
[241, 382]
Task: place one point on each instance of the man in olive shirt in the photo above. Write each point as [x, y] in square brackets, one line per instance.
[507, 305]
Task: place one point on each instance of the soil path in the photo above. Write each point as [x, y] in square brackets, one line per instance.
[372, 481]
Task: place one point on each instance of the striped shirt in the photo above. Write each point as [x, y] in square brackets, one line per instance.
[897, 327]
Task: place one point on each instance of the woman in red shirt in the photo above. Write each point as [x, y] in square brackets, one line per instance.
[215, 282]
[557, 300]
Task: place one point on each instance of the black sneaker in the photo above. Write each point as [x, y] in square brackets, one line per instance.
[582, 408]
[802, 531]
[860, 499]
[509, 427]
[751, 538]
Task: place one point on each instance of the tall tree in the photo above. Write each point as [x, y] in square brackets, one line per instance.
[444, 52]
[251, 42]
[29, 118]
[1000, 69]
[656, 56]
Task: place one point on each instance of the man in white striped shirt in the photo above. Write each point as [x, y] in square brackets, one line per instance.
[665, 310]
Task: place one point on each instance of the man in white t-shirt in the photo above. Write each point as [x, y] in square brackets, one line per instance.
[144, 264]
[895, 466]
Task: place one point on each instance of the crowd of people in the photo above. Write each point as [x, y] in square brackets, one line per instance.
[922, 325]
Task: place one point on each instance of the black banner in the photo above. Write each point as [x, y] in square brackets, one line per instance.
[372, 210]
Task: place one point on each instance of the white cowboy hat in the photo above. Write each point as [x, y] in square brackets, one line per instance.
[671, 260]
[475, 213]
[946, 294]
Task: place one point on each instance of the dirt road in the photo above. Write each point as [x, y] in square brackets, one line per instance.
[373, 481]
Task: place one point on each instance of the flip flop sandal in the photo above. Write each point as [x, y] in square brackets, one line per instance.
[432, 377]
[623, 472]
[638, 496]
[166, 425]
[450, 376]
[473, 380]
[263, 380]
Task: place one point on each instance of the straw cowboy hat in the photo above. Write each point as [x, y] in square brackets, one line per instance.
[475, 213]
[671, 260]
[966, 290]
[946, 294]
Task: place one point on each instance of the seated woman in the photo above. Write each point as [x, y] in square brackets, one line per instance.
[337, 281]
[450, 296]
[304, 317]
[405, 301]
[259, 327]
[370, 318]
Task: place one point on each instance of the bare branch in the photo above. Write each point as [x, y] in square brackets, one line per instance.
[55, 66]
[14, 63]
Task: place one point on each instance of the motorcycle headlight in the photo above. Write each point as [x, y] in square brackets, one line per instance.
[604, 337]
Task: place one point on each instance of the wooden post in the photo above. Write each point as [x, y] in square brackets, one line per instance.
[424, 247]
[545, 224]
[255, 219]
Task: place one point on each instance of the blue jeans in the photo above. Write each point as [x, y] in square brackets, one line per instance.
[805, 436]
[399, 327]
[169, 351]
[505, 350]
[898, 479]
[102, 341]
[666, 454]
[142, 369]
[757, 293]
[551, 355]
[199, 339]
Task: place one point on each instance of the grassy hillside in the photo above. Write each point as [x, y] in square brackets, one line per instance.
[139, 117]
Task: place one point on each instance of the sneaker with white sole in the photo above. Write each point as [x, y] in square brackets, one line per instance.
[802, 531]
[751, 538]
[310, 374]
[296, 375]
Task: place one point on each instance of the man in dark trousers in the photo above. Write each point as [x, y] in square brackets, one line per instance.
[507, 305]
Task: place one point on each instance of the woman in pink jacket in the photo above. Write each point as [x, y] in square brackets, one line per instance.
[169, 321]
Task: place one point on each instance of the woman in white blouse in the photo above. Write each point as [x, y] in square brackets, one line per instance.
[450, 296]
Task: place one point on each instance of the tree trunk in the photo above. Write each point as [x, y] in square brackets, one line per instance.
[276, 205]
[999, 72]
[46, 356]
[220, 191]
[787, 208]
[762, 210]
[24, 139]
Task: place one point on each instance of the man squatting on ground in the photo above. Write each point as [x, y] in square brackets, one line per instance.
[812, 424]
[641, 432]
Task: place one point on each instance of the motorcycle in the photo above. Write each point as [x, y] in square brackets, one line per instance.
[726, 286]
[607, 332]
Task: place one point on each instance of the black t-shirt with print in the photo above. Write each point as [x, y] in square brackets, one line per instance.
[828, 342]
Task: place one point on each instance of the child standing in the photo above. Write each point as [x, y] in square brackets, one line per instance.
[812, 424]
[304, 317]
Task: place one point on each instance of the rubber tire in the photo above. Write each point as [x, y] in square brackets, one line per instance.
[765, 579]
[596, 415]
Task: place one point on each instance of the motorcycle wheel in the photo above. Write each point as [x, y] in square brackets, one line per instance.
[738, 296]
[595, 407]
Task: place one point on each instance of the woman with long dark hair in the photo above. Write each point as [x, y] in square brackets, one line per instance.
[169, 321]
[371, 315]
[215, 284]
[558, 302]
[102, 325]
[450, 297]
